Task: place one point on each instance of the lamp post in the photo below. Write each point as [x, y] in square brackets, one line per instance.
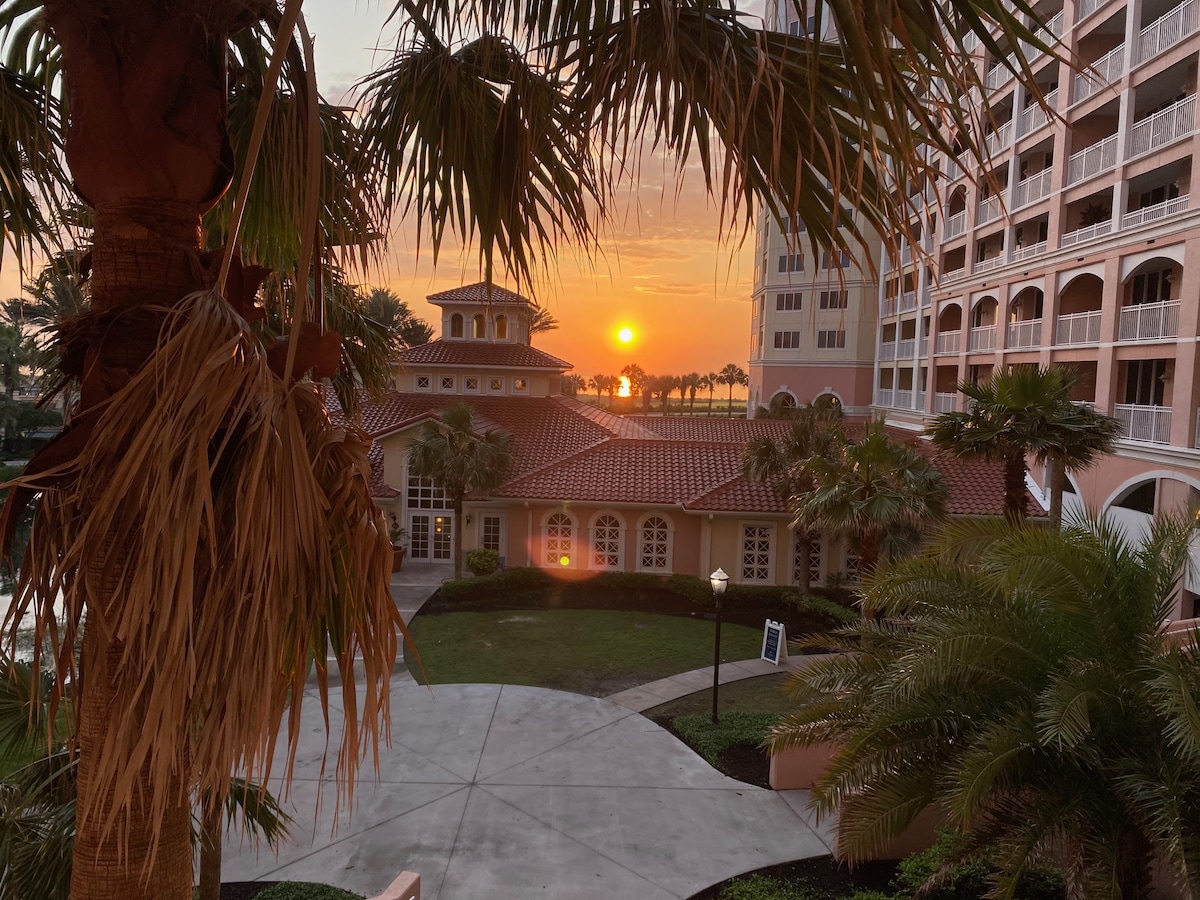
[719, 581]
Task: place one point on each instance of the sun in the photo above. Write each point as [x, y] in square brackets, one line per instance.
[625, 335]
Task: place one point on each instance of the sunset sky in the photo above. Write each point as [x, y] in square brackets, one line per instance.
[663, 270]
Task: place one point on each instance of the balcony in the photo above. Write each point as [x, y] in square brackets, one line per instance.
[887, 351]
[986, 265]
[1149, 321]
[999, 139]
[1035, 116]
[908, 301]
[903, 399]
[948, 342]
[1148, 214]
[1148, 424]
[1078, 328]
[1052, 29]
[1022, 335]
[1029, 252]
[951, 169]
[956, 225]
[906, 349]
[1087, 7]
[1091, 161]
[989, 210]
[1104, 71]
[944, 403]
[983, 339]
[884, 396]
[954, 274]
[1167, 31]
[1079, 235]
[1152, 132]
[997, 76]
[1033, 188]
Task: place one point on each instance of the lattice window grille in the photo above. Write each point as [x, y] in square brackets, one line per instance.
[756, 553]
[606, 543]
[655, 535]
[560, 539]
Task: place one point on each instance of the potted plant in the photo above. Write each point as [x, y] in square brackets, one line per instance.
[398, 535]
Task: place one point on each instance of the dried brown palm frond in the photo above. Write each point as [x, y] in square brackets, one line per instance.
[218, 533]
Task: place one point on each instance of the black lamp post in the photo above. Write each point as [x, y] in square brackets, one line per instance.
[719, 581]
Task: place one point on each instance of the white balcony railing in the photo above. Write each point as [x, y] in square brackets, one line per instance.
[887, 351]
[1150, 424]
[883, 396]
[1029, 252]
[1035, 187]
[999, 139]
[948, 342]
[1091, 161]
[1168, 30]
[944, 403]
[1103, 72]
[1079, 235]
[983, 338]
[998, 75]
[1155, 212]
[908, 301]
[954, 274]
[1078, 328]
[1025, 334]
[1149, 321]
[951, 169]
[1087, 7]
[989, 209]
[956, 225]
[903, 399]
[1035, 116]
[906, 348]
[986, 265]
[1152, 132]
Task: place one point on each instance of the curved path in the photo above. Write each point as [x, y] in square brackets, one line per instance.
[493, 791]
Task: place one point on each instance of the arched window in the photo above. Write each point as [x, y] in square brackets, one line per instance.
[501, 328]
[606, 542]
[654, 545]
[456, 326]
[560, 541]
[480, 327]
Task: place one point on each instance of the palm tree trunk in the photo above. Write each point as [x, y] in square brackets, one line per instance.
[210, 852]
[1058, 483]
[1014, 486]
[729, 409]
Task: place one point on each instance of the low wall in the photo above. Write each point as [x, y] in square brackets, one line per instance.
[407, 886]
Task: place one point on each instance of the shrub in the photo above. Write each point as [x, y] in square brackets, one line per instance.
[823, 607]
[710, 740]
[483, 562]
[764, 887]
[305, 890]
[970, 879]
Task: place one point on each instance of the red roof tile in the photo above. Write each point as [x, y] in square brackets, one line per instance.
[380, 489]
[737, 431]
[481, 354]
[477, 293]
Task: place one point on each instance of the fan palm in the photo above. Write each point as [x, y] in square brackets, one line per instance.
[453, 456]
[1019, 681]
[876, 493]
[733, 375]
[1025, 410]
[393, 313]
[200, 501]
[815, 432]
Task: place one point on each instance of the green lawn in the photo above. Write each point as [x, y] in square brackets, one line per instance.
[597, 652]
[763, 694]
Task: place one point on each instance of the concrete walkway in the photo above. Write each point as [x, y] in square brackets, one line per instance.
[516, 792]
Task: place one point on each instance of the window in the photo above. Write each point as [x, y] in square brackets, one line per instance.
[654, 545]
[788, 301]
[480, 327]
[791, 262]
[456, 326]
[423, 382]
[495, 385]
[835, 261]
[831, 340]
[502, 328]
[560, 541]
[814, 560]
[852, 566]
[1145, 381]
[606, 543]
[794, 226]
[835, 299]
[424, 494]
[471, 383]
[806, 557]
[787, 340]
[756, 553]
[1151, 287]
[491, 533]
[520, 385]
[447, 383]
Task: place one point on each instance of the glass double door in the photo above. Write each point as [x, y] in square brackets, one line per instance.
[431, 537]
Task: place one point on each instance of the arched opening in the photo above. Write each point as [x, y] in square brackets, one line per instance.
[1079, 311]
[480, 327]
[1025, 319]
[983, 325]
[456, 326]
[501, 328]
[559, 541]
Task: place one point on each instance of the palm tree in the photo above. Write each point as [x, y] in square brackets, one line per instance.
[709, 383]
[876, 493]
[732, 375]
[815, 432]
[638, 380]
[1023, 411]
[153, 157]
[573, 384]
[459, 461]
[388, 310]
[542, 322]
[691, 383]
[1021, 682]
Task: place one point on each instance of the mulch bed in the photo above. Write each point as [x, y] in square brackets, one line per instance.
[822, 875]
[745, 762]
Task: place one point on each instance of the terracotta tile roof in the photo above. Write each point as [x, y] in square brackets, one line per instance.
[380, 489]
[738, 494]
[479, 354]
[617, 426]
[736, 431]
[477, 293]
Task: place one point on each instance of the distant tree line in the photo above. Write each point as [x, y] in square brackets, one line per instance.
[655, 393]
